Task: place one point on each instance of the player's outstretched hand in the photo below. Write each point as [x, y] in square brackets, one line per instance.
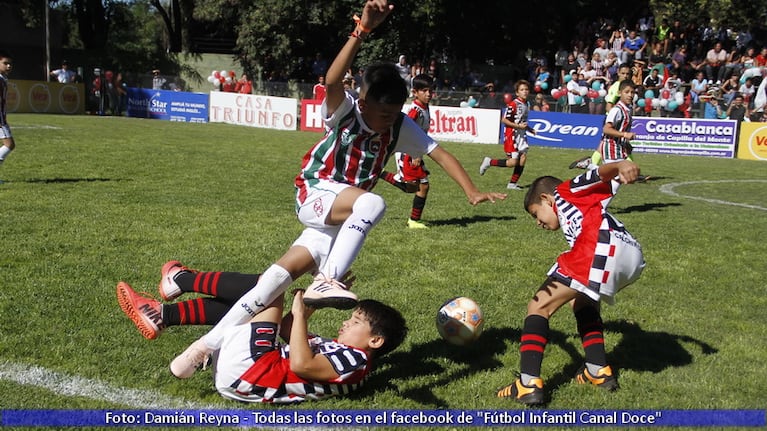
[480, 197]
[628, 172]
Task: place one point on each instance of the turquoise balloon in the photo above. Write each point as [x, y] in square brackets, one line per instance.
[641, 103]
[544, 85]
[596, 85]
[578, 100]
[672, 104]
[568, 78]
[649, 94]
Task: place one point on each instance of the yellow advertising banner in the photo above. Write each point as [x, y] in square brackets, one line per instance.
[752, 144]
[45, 97]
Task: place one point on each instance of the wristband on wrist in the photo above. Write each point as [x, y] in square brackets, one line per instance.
[361, 28]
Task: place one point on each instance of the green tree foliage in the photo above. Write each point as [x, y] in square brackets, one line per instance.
[730, 13]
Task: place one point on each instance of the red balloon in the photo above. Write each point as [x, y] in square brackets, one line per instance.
[217, 74]
[648, 104]
[593, 94]
[538, 88]
[665, 94]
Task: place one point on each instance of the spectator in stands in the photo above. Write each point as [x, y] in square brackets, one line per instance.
[679, 63]
[761, 59]
[729, 88]
[244, 85]
[662, 36]
[712, 110]
[319, 65]
[158, 82]
[404, 69]
[653, 82]
[737, 109]
[715, 60]
[748, 90]
[601, 49]
[698, 87]
[634, 47]
[617, 39]
[64, 75]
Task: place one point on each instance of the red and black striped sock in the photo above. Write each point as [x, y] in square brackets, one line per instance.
[517, 173]
[535, 333]
[227, 286]
[418, 205]
[199, 311]
[501, 163]
[591, 330]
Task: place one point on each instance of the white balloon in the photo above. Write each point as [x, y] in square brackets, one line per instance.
[464, 104]
[602, 92]
[583, 91]
[679, 97]
[663, 103]
[655, 103]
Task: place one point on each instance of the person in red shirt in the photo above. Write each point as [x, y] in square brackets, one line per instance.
[318, 91]
[244, 85]
[761, 59]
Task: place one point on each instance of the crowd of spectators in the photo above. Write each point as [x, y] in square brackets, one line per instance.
[680, 70]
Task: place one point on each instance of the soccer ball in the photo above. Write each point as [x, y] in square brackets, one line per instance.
[460, 321]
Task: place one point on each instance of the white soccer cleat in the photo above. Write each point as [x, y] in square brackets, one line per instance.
[194, 357]
[485, 165]
[329, 293]
[513, 186]
[168, 288]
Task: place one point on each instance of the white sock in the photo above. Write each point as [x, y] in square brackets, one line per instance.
[367, 211]
[274, 281]
[4, 151]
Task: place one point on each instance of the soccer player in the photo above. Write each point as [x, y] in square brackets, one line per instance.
[412, 171]
[603, 258]
[253, 366]
[6, 138]
[514, 135]
[611, 99]
[333, 189]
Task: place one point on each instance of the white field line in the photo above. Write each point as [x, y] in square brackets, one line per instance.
[669, 190]
[68, 385]
[140, 399]
[34, 126]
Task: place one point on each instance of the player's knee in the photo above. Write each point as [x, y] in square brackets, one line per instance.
[371, 205]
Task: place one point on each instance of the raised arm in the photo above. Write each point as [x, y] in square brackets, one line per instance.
[373, 14]
[303, 361]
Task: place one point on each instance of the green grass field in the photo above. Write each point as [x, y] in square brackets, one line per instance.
[89, 201]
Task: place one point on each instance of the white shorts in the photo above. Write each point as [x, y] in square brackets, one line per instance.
[318, 242]
[318, 202]
[5, 132]
[242, 346]
[617, 263]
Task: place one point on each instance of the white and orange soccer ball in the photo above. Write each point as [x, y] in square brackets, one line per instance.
[460, 321]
